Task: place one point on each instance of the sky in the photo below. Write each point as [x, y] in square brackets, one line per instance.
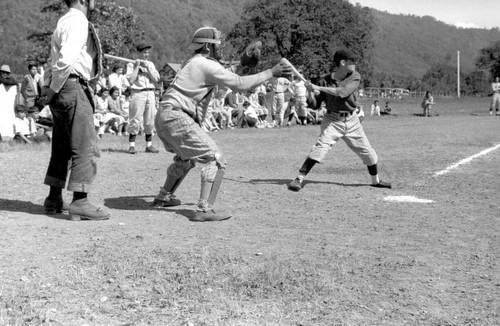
[460, 13]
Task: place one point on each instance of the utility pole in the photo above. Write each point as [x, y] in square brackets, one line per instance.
[458, 74]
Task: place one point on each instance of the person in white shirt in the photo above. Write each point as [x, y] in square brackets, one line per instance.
[375, 108]
[75, 62]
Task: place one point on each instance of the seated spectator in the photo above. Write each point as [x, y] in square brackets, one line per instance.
[113, 119]
[375, 108]
[24, 131]
[125, 106]
[231, 104]
[45, 117]
[34, 120]
[250, 116]
[387, 109]
[100, 111]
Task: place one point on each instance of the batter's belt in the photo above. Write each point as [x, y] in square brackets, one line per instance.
[340, 114]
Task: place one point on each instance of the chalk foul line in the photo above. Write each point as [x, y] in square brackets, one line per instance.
[466, 160]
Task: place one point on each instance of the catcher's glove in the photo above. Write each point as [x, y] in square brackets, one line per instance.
[251, 56]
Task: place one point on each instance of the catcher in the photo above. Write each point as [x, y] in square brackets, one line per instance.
[340, 120]
[184, 105]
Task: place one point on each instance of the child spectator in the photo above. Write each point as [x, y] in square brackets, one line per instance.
[376, 108]
[124, 106]
[427, 103]
[387, 109]
[34, 120]
[250, 116]
[100, 111]
[24, 132]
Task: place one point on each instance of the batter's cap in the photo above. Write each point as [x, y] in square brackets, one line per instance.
[205, 35]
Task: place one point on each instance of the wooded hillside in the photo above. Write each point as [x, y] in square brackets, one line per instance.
[405, 45]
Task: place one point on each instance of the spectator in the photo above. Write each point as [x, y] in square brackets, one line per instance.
[118, 79]
[45, 117]
[29, 87]
[361, 114]
[495, 99]
[291, 112]
[113, 119]
[34, 123]
[250, 115]
[100, 111]
[427, 103]
[231, 105]
[387, 109]
[299, 92]
[279, 86]
[24, 131]
[375, 108]
[8, 93]
[125, 106]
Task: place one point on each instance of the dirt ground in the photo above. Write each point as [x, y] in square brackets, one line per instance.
[379, 262]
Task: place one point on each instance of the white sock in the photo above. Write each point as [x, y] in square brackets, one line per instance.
[132, 144]
[375, 179]
[149, 143]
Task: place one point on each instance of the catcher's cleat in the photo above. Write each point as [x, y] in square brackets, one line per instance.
[209, 216]
[383, 184]
[296, 184]
[132, 150]
[151, 149]
[168, 202]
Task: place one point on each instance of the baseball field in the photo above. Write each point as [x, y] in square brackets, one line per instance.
[339, 252]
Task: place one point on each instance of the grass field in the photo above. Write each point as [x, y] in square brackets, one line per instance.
[335, 253]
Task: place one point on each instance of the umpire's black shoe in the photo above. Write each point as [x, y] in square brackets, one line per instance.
[296, 184]
[54, 207]
[132, 150]
[382, 184]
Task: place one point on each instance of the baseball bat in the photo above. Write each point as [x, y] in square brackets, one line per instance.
[113, 57]
[294, 70]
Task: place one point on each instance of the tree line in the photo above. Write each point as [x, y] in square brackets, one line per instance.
[306, 32]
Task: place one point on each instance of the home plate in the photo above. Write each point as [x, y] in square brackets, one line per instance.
[407, 199]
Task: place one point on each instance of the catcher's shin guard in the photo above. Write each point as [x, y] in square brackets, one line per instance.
[215, 186]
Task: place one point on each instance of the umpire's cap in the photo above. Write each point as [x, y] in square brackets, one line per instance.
[205, 35]
[344, 54]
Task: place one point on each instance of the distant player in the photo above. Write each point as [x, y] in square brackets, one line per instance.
[340, 121]
[495, 99]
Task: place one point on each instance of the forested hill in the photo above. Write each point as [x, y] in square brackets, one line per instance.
[405, 45]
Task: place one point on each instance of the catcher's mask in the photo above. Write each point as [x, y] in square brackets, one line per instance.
[208, 36]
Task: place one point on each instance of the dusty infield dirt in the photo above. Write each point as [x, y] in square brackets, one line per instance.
[389, 263]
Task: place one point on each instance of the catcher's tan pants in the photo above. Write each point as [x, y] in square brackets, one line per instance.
[335, 126]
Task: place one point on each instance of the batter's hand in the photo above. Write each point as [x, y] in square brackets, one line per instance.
[47, 95]
[281, 69]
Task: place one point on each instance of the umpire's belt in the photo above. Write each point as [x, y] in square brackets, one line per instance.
[341, 114]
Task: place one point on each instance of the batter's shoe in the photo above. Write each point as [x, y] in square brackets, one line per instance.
[209, 216]
[151, 149]
[296, 184]
[132, 150]
[54, 207]
[383, 184]
[168, 202]
[82, 209]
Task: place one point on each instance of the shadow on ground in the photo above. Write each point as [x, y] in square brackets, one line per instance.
[22, 206]
[287, 181]
[140, 203]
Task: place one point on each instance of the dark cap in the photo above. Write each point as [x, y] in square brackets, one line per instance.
[344, 54]
[143, 46]
[33, 109]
